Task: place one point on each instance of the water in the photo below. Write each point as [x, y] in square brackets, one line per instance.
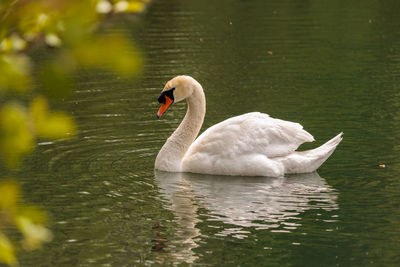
[331, 65]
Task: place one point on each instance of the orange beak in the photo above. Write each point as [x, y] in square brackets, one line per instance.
[164, 106]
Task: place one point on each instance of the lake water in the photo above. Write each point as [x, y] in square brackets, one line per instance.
[331, 65]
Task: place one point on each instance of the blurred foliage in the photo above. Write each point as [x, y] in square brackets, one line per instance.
[28, 220]
[68, 28]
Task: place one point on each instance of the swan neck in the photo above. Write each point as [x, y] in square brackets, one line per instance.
[171, 154]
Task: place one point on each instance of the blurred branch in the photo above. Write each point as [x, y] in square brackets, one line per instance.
[8, 10]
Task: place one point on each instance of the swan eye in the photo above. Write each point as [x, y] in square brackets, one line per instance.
[169, 93]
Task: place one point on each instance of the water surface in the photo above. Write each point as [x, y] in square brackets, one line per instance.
[331, 65]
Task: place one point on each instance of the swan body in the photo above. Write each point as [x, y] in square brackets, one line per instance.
[252, 144]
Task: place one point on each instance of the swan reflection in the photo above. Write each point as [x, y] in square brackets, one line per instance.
[240, 202]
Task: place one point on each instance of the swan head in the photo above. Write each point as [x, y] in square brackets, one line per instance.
[175, 90]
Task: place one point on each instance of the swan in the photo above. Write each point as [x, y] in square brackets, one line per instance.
[252, 144]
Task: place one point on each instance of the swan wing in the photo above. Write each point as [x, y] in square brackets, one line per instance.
[251, 133]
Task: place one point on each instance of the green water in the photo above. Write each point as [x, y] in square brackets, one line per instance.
[331, 65]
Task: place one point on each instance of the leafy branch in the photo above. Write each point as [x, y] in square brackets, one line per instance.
[69, 28]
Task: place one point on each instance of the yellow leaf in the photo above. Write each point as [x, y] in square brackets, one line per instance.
[34, 234]
[135, 7]
[6, 45]
[7, 251]
[115, 53]
[39, 109]
[16, 138]
[10, 193]
[48, 124]
[35, 214]
[129, 6]
[15, 72]
[12, 43]
[57, 125]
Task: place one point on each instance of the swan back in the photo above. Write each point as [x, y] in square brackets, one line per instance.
[251, 133]
[245, 145]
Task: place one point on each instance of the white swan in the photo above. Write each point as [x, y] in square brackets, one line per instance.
[253, 144]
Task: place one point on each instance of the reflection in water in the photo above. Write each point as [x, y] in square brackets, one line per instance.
[181, 200]
[240, 202]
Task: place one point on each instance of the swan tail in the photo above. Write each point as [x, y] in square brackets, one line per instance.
[310, 160]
